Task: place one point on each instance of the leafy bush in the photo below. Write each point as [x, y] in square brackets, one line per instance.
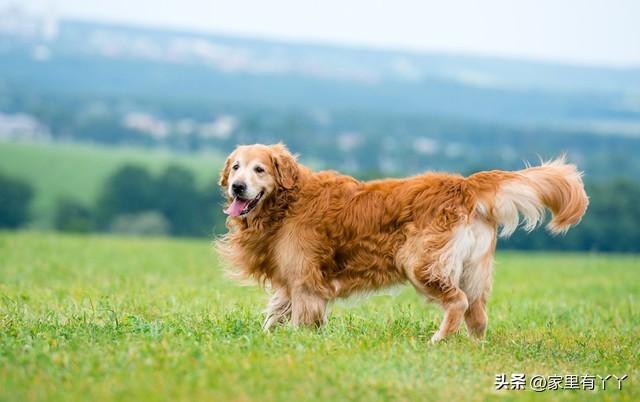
[72, 216]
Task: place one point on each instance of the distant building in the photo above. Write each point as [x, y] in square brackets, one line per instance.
[22, 127]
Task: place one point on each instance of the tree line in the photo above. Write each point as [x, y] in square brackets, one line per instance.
[134, 201]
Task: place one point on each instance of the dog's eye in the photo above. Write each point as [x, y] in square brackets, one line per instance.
[236, 166]
[258, 169]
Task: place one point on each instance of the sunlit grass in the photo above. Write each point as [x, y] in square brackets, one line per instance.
[104, 318]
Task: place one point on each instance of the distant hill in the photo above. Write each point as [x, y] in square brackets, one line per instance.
[363, 111]
[85, 57]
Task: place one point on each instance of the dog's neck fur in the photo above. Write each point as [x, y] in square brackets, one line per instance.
[253, 235]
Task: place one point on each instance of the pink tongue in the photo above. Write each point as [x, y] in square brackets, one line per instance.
[236, 207]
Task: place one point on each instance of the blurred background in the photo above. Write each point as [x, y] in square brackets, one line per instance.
[116, 116]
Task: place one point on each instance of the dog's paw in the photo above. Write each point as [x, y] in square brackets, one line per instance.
[437, 337]
[269, 324]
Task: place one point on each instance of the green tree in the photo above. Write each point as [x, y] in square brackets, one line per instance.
[15, 198]
[180, 202]
[129, 190]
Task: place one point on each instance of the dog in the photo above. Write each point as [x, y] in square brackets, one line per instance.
[313, 237]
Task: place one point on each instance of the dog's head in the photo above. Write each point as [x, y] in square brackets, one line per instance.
[255, 173]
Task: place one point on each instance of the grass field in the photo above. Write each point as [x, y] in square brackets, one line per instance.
[104, 318]
[78, 171]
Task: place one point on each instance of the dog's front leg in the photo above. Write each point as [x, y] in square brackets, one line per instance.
[307, 309]
[278, 310]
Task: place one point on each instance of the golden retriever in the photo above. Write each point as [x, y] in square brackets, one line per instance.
[317, 236]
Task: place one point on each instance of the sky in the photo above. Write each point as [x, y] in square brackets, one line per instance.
[602, 32]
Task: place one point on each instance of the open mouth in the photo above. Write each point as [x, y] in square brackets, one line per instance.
[240, 206]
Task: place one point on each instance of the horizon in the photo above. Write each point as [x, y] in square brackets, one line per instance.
[351, 46]
[602, 40]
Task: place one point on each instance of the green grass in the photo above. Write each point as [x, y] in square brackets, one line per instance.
[79, 171]
[104, 318]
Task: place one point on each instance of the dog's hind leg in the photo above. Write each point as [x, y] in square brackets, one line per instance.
[476, 318]
[476, 277]
[434, 263]
[428, 280]
[453, 301]
[476, 283]
[278, 310]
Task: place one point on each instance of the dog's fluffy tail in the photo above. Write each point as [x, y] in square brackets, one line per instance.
[505, 196]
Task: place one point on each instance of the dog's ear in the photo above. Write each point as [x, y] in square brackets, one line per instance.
[224, 174]
[285, 166]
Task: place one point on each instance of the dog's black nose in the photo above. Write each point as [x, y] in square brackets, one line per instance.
[238, 188]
